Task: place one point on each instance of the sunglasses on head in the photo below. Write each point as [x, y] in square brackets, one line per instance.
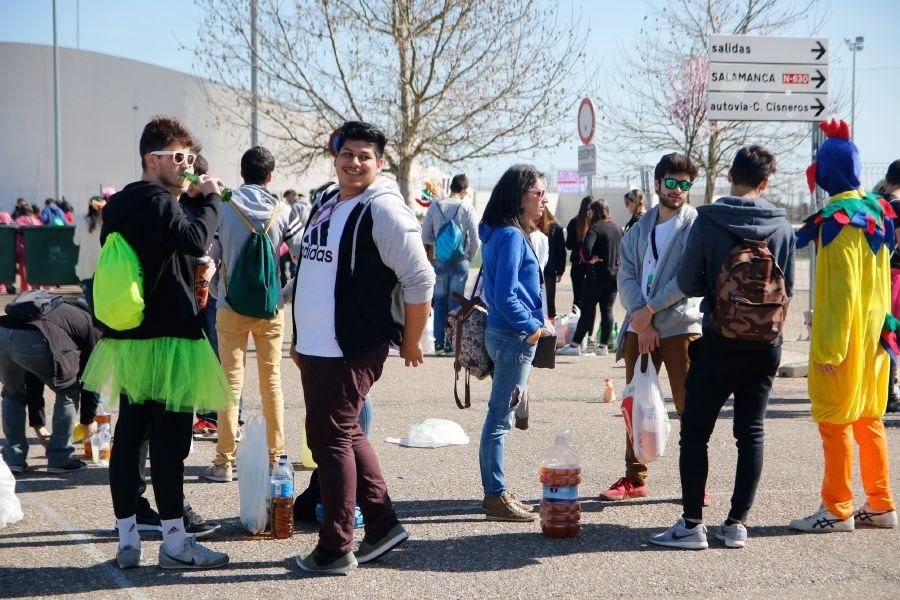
[682, 184]
[178, 156]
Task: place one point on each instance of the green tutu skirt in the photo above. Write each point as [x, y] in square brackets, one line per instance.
[184, 375]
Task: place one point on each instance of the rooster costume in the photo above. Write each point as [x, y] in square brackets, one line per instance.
[852, 328]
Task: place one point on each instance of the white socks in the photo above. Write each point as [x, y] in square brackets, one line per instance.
[128, 533]
[173, 534]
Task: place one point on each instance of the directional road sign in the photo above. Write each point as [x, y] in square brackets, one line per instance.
[755, 106]
[587, 159]
[765, 49]
[758, 78]
[730, 77]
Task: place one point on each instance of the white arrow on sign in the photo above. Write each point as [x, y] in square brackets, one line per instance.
[767, 78]
[766, 49]
[750, 106]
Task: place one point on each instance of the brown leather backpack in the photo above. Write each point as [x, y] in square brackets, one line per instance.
[751, 301]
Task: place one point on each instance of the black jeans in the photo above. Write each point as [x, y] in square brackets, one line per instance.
[719, 369]
[577, 273]
[550, 288]
[596, 291]
[169, 434]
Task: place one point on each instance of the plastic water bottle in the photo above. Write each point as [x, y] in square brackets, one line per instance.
[282, 481]
[103, 415]
[560, 476]
[105, 438]
[358, 518]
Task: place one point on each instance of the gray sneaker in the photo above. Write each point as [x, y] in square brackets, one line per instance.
[734, 536]
[340, 566]
[679, 536]
[220, 473]
[191, 556]
[128, 557]
[370, 549]
[823, 521]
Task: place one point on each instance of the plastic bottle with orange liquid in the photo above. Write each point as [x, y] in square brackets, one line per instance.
[560, 475]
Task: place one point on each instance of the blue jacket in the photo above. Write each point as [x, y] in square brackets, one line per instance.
[512, 287]
[53, 215]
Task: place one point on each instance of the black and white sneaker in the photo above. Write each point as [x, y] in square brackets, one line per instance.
[823, 521]
[68, 467]
[866, 517]
[196, 525]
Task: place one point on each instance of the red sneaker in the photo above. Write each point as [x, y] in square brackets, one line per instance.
[204, 429]
[623, 489]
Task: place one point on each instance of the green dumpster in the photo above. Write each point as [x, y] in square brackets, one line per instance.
[50, 254]
[7, 254]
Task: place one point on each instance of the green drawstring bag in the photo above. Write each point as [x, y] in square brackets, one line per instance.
[119, 285]
[253, 288]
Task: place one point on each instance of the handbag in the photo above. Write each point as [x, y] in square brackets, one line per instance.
[466, 326]
[545, 353]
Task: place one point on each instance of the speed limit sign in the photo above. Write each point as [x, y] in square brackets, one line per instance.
[586, 121]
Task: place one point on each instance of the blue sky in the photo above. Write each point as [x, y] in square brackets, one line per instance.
[153, 32]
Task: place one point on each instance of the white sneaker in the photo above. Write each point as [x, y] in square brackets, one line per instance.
[679, 536]
[734, 536]
[822, 521]
[602, 351]
[569, 350]
[866, 517]
[191, 556]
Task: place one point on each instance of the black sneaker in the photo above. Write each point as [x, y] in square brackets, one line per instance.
[147, 518]
[196, 525]
[893, 407]
[68, 467]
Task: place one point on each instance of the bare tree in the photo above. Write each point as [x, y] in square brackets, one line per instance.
[449, 80]
[661, 98]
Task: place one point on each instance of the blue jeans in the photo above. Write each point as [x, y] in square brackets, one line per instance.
[449, 278]
[25, 351]
[512, 356]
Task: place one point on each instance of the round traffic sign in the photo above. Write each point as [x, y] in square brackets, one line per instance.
[586, 121]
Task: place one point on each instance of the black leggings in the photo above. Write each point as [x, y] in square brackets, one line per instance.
[718, 370]
[169, 434]
[577, 273]
[594, 292]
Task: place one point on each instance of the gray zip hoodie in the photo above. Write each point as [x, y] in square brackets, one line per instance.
[674, 314]
[257, 204]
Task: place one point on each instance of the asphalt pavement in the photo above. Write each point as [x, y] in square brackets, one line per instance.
[65, 546]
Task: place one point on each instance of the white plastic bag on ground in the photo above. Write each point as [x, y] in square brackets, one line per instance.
[10, 508]
[433, 433]
[645, 414]
[569, 323]
[253, 476]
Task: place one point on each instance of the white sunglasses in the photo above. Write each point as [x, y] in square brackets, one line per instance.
[178, 156]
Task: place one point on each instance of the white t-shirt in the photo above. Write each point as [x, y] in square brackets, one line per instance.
[314, 304]
[541, 244]
[663, 236]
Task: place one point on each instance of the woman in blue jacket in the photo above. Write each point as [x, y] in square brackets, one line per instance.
[512, 290]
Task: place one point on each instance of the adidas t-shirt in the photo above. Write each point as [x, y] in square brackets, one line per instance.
[314, 303]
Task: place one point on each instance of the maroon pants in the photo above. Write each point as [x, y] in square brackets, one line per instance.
[334, 392]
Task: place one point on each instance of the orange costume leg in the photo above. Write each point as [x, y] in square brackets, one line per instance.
[837, 443]
[873, 462]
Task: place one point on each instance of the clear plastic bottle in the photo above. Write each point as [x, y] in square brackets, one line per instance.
[103, 415]
[105, 449]
[282, 499]
[560, 476]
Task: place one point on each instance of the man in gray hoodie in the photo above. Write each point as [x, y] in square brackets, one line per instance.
[661, 321]
[251, 206]
[738, 364]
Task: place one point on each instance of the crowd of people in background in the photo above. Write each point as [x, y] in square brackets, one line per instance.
[348, 257]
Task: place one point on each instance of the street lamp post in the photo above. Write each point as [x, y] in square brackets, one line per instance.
[855, 46]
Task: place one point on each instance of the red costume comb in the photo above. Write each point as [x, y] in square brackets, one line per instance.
[836, 129]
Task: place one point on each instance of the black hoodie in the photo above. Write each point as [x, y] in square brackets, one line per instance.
[168, 244]
[718, 229]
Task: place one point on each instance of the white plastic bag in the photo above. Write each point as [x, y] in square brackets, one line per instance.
[10, 508]
[428, 335]
[645, 414]
[253, 476]
[433, 433]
